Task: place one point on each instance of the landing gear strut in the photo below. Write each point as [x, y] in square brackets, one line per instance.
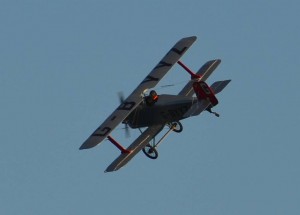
[150, 149]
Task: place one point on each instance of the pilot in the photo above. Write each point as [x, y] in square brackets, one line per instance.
[152, 98]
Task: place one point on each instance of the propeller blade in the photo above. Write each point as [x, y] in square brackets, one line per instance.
[127, 131]
[121, 97]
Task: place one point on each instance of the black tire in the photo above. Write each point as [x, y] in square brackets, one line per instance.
[178, 128]
[150, 152]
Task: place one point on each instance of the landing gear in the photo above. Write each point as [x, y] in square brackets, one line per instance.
[176, 127]
[150, 149]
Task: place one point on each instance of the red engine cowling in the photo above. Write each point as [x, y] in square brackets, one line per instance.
[203, 91]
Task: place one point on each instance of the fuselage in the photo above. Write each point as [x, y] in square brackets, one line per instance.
[168, 108]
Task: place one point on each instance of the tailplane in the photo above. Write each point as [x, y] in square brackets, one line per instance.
[218, 86]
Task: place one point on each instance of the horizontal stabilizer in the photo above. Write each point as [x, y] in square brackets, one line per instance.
[219, 86]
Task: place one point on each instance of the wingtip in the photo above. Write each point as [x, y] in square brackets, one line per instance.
[83, 146]
[89, 143]
[108, 170]
[192, 38]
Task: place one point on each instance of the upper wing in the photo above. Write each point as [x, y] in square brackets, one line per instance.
[134, 99]
[205, 71]
[135, 147]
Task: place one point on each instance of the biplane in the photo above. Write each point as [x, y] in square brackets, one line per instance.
[152, 112]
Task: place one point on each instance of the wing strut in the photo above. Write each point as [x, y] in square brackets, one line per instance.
[193, 75]
[118, 145]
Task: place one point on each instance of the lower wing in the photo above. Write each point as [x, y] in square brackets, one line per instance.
[135, 147]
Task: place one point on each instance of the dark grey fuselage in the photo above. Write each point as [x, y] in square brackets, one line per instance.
[168, 108]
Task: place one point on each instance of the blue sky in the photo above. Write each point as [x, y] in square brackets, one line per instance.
[62, 65]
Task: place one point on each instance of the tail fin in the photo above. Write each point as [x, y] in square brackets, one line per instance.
[219, 86]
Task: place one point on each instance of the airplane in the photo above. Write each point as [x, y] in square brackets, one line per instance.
[152, 112]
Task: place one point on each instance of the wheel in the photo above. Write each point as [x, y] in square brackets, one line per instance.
[150, 151]
[177, 127]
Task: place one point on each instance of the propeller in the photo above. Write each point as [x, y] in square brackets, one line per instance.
[127, 131]
[121, 99]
